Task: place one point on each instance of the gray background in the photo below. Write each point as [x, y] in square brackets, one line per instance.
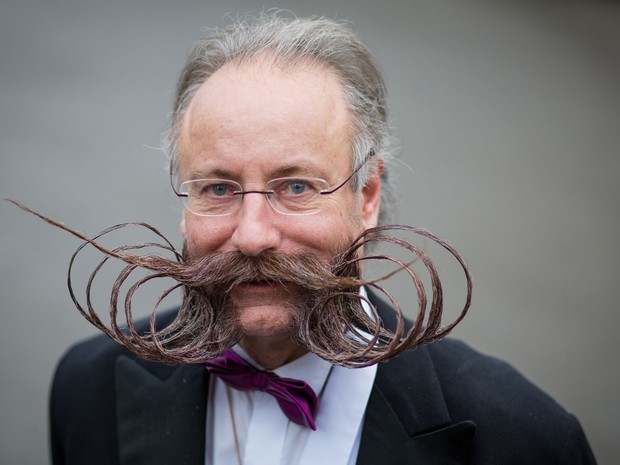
[508, 116]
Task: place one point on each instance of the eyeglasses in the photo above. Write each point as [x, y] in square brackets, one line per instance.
[289, 196]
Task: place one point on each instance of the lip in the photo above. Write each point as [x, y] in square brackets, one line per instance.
[257, 292]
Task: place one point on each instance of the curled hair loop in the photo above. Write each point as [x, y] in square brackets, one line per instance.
[330, 316]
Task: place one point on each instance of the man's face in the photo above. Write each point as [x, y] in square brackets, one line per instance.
[257, 122]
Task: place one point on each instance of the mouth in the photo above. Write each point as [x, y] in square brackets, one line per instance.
[261, 285]
[262, 292]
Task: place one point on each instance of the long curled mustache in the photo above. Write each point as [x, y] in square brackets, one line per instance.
[328, 315]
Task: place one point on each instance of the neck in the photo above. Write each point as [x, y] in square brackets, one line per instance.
[273, 351]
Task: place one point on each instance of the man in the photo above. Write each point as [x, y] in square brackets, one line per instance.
[280, 146]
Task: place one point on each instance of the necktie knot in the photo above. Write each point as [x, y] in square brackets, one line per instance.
[295, 397]
[259, 379]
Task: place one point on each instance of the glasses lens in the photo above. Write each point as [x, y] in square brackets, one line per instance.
[296, 196]
[211, 197]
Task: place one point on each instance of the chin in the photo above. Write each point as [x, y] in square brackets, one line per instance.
[264, 320]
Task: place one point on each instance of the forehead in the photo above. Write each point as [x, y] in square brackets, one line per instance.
[265, 114]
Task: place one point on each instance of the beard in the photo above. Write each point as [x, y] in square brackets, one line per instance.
[323, 314]
[327, 316]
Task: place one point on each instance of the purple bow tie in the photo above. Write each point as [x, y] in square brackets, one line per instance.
[296, 399]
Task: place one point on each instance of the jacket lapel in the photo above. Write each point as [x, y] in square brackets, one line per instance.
[407, 420]
[160, 412]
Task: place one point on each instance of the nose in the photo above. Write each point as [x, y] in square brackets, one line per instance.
[255, 231]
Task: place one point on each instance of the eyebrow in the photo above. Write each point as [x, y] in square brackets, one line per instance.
[211, 173]
[284, 171]
[293, 170]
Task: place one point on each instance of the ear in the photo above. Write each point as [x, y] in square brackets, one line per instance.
[371, 196]
[182, 227]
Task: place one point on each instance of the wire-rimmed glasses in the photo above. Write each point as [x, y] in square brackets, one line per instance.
[297, 195]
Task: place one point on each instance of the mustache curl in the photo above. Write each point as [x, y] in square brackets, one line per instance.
[328, 316]
[375, 343]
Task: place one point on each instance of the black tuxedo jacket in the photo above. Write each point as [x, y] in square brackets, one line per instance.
[442, 403]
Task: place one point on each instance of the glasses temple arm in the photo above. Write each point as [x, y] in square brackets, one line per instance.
[368, 157]
[172, 183]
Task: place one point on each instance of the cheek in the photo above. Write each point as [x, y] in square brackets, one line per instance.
[351, 218]
[333, 234]
[203, 236]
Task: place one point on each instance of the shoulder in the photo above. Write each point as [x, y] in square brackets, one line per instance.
[513, 417]
[83, 400]
[91, 362]
[84, 377]
[474, 382]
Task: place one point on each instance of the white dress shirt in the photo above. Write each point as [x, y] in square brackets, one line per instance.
[267, 437]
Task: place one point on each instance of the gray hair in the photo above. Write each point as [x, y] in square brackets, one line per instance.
[291, 41]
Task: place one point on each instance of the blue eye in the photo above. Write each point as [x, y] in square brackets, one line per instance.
[218, 189]
[297, 187]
